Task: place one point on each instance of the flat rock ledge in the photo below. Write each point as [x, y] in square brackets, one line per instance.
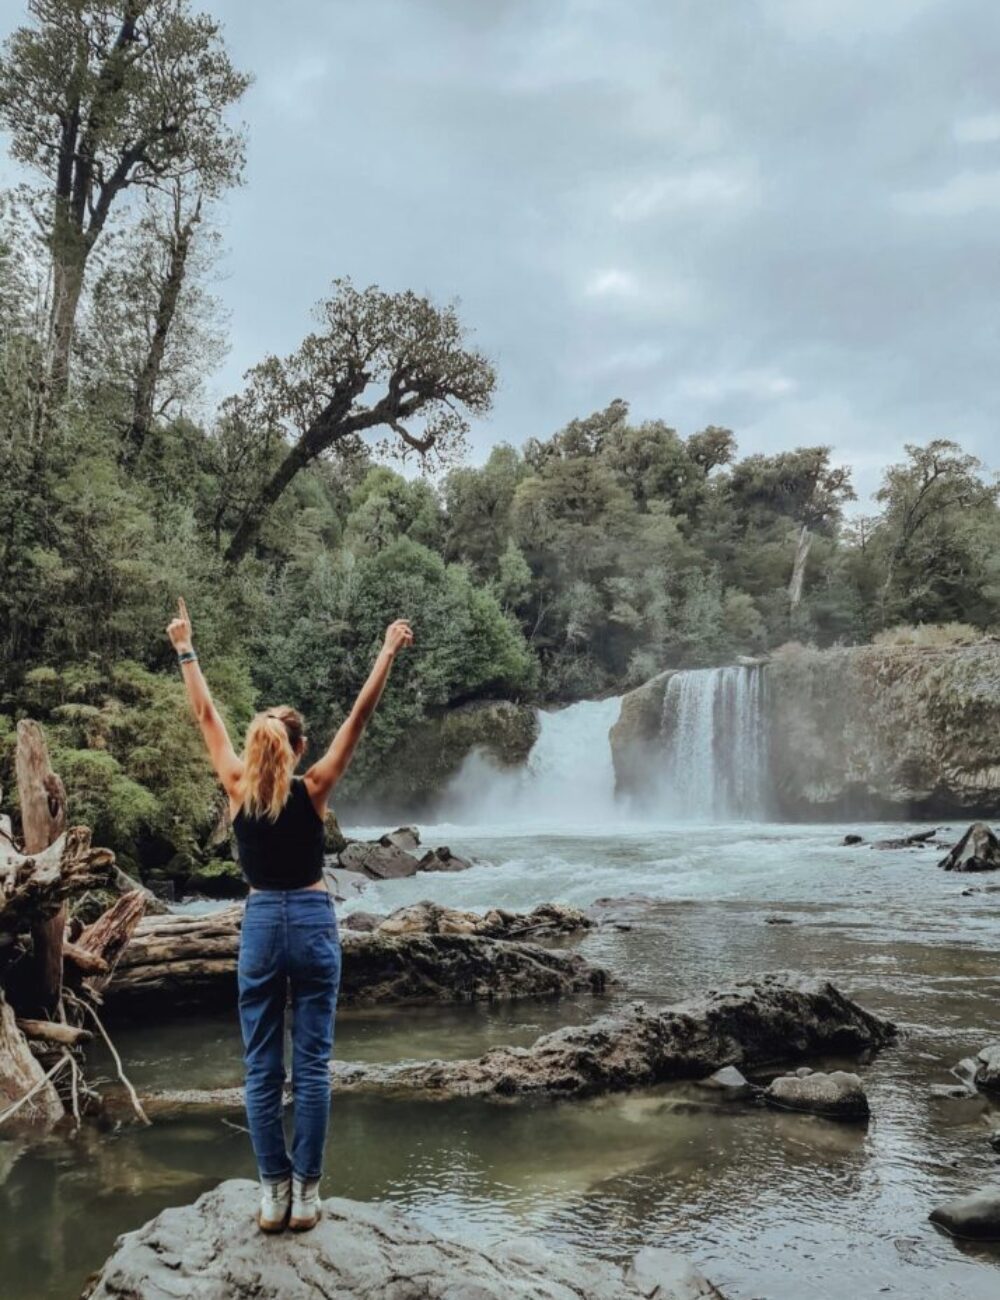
[212, 1250]
[775, 1019]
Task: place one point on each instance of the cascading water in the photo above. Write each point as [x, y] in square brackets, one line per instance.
[715, 745]
[568, 777]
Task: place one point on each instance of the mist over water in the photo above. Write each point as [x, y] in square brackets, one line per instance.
[568, 778]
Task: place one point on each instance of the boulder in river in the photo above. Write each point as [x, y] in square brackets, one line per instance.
[977, 850]
[975, 1217]
[837, 1096]
[850, 840]
[364, 1251]
[403, 837]
[442, 859]
[427, 917]
[377, 861]
[987, 1072]
[728, 1082]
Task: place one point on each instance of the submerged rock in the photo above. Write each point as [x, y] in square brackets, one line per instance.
[977, 850]
[838, 1095]
[728, 1081]
[363, 1251]
[975, 1217]
[987, 1069]
[755, 1024]
[852, 839]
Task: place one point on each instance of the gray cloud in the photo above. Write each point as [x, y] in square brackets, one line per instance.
[779, 215]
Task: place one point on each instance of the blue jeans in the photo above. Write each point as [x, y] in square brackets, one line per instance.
[288, 943]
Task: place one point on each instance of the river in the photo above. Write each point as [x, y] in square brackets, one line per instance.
[771, 1206]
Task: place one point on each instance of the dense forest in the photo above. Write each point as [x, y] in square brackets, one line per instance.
[577, 564]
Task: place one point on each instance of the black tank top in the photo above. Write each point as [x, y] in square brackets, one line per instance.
[286, 853]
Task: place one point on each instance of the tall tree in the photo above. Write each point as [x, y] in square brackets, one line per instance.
[379, 362]
[104, 97]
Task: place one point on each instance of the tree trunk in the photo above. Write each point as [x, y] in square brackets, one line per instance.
[20, 1073]
[43, 817]
[67, 287]
[802, 548]
[144, 396]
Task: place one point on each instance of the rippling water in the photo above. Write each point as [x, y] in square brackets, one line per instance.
[771, 1206]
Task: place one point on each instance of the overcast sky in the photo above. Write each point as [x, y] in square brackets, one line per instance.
[778, 215]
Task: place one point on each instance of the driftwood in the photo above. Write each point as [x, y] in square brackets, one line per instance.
[173, 960]
[53, 1031]
[42, 798]
[49, 986]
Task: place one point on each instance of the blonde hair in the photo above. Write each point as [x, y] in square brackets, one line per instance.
[269, 759]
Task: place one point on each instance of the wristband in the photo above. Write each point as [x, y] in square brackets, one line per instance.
[187, 657]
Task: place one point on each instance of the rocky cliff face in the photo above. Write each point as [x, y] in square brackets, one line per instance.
[898, 731]
[430, 754]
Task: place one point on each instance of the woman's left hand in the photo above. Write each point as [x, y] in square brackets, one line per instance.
[179, 628]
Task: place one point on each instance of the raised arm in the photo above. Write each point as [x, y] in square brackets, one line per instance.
[327, 771]
[227, 764]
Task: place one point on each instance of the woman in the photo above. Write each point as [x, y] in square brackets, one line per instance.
[289, 939]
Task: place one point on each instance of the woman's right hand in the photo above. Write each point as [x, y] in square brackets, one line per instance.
[179, 628]
[397, 635]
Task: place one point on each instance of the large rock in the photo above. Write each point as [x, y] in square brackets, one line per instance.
[977, 850]
[377, 861]
[987, 1069]
[975, 1217]
[212, 1250]
[424, 967]
[635, 737]
[442, 859]
[427, 917]
[837, 1096]
[750, 1026]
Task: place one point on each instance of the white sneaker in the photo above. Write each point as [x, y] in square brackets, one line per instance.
[275, 1205]
[306, 1205]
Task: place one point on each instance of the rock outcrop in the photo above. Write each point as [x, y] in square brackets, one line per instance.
[428, 755]
[894, 731]
[498, 923]
[363, 1251]
[837, 1096]
[174, 960]
[977, 850]
[987, 1069]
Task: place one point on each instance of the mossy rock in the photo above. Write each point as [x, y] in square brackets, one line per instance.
[217, 878]
[428, 756]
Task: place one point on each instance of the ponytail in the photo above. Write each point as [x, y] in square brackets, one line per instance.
[269, 760]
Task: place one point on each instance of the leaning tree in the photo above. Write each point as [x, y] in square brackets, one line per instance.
[395, 366]
[102, 98]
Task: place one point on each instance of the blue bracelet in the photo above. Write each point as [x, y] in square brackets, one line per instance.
[187, 657]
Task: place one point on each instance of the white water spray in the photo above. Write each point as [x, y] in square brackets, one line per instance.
[568, 777]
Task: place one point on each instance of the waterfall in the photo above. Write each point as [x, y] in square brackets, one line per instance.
[568, 776]
[715, 745]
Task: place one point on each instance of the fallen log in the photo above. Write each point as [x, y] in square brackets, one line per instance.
[34, 886]
[175, 960]
[88, 963]
[774, 1020]
[24, 1084]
